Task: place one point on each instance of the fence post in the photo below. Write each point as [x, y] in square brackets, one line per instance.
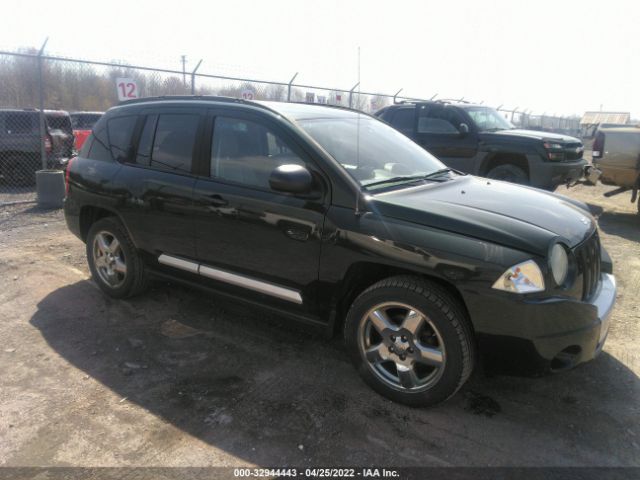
[513, 113]
[351, 94]
[289, 87]
[193, 78]
[396, 96]
[43, 150]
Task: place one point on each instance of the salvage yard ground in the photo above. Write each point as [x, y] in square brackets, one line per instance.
[177, 378]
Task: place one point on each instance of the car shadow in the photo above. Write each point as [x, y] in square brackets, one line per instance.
[252, 386]
[621, 224]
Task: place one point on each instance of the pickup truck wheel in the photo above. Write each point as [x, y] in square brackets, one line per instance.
[113, 260]
[509, 173]
[410, 340]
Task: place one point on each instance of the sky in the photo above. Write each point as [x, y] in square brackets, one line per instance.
[556, 57]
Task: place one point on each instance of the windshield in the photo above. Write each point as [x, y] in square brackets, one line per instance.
[370, 150]
[488, 120]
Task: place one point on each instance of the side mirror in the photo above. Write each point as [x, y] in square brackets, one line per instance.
[291, 179]
[463, 129]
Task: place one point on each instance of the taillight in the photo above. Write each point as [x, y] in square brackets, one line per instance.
[66, 176]
[598, 146]
[47, 143]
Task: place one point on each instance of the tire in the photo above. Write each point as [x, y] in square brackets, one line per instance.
[418, 359]
[116, 268]
[509, 173]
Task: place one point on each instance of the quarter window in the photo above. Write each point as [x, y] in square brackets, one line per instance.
[247, 152]
[174, 140]
[120, 131]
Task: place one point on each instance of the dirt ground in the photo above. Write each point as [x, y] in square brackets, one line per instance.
[175, 378]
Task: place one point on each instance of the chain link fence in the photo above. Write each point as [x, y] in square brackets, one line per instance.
[48, 105]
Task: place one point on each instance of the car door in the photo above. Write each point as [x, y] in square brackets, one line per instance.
[250, 239]
[438, 131]
[158, 178]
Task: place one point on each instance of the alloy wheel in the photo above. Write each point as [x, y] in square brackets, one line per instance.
[109, 259]
[402, 347]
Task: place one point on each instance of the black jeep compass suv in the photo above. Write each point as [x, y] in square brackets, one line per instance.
[331, 217]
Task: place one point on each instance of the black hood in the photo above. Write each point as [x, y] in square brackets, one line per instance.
[499, 212]
[533, 135]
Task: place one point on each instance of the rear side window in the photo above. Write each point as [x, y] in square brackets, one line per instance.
[404, 119]
[174, 140]
[59, 122]
[20, 123]
[120, 133]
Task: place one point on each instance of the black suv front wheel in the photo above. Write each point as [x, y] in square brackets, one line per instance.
[113, 260]
[410, 340]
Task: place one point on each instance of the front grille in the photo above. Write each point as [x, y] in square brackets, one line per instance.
[573, 151]
[588, 257]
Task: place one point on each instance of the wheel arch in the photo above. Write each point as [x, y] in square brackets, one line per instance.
[90, 214]
[496, 159]
[362, 275]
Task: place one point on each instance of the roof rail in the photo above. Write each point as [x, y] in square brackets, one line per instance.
[217, 98]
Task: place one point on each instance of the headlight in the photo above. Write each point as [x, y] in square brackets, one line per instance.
[524, 277]
[555, 151]
[559, 263]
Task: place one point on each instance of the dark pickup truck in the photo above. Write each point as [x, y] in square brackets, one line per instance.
[476, 139]
[20, 143]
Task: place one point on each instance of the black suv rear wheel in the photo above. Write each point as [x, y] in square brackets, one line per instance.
[410, 340]
[113, 260]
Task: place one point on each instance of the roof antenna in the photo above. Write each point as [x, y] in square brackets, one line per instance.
[357, 212]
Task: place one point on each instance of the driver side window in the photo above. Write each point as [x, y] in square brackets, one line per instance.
[246, 152]
[438, 120]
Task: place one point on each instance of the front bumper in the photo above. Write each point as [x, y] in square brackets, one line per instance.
[549, 174]
[549, 334]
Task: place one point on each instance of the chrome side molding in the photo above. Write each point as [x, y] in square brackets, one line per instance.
[243, 281]
[178, 263]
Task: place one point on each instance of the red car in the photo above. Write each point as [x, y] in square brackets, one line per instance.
[82, 123]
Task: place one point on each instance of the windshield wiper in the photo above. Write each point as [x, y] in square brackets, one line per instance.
[441, 171]
[396, 179]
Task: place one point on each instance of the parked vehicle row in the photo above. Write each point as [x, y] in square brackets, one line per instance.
[20, 140]
[333, 218]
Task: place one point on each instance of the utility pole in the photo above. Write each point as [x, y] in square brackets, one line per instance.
[184, 70]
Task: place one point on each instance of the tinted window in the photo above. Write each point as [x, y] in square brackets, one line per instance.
[17, 123]
[404, 119]
[438, 119]
[247, 152]
[99, 149]
[174, 140]
[120, 132]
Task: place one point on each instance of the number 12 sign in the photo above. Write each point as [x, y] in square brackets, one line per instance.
[127, 88]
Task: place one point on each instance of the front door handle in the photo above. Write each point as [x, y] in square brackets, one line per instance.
[216, 200]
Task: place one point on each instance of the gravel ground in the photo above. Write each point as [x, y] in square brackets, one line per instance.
[175, 378]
